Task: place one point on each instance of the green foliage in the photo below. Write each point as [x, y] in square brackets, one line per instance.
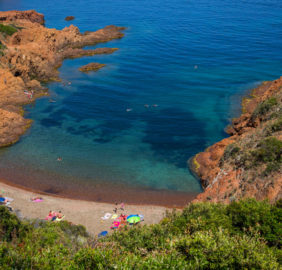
[268, 151]
[2, 48]
[251, 217]
[242, 235]
[10, 226]
[7, 29]
[220, 250]
[277, 125]
[231, 151]
[264, 107]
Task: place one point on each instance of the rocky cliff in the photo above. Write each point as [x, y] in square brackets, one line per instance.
[31, 53]
[248, 163]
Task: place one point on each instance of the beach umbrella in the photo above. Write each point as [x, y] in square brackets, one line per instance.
[133, 220]
[132, 216]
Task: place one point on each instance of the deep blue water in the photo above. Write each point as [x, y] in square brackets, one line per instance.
[194, 59]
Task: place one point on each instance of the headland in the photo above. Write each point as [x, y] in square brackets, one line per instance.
[31, 54]
[249, 162]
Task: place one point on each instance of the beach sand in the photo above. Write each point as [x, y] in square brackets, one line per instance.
[87, 213]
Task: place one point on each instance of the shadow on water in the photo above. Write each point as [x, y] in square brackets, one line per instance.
[174, 135]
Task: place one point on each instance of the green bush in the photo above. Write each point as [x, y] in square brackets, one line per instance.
[277, 125]
[220, 250]
[264, 107]
[269, 150]
[7, 29]
[10, 226]
[251, 217]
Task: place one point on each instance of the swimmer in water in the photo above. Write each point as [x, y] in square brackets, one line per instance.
[129, 110]
[59, 159]
[146, 106]
[155, 105]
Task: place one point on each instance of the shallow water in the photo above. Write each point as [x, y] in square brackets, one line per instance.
[194, 59]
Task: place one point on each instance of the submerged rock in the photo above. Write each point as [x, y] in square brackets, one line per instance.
[69, 18]
[91, 67]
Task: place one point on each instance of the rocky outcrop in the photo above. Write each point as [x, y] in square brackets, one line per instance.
[91, 67]
[31, 55]
[69, 18]
[247, 164]
[30, 15]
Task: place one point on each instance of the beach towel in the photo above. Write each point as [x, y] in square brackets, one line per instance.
[114, 216]
[115, 225]
[106, 216]
[37, 200]
[59, 219]
[102, 234]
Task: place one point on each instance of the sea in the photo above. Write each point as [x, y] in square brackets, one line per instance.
[127, 131]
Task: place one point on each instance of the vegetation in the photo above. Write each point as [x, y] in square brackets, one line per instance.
[242, 235]
[2, 48]
[264, 107]
[7, 29]
[275, 126]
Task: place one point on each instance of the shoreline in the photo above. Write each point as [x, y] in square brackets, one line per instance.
[30, 55]
[135, 197]
[82, 212]
[26, 63]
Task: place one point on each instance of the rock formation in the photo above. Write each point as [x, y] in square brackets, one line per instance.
[247, 164]
[91, 67]
[31, 53]
[69, 18]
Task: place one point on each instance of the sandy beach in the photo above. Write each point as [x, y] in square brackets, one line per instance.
[82, 212]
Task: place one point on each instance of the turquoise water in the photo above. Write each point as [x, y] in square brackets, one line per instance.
[194, 59]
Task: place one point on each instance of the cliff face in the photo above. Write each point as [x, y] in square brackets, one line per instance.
[31, 53]
[249, 163]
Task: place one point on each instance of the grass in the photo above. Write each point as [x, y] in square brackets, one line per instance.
[7, 29]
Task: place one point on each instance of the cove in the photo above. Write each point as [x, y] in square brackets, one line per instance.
[193, 60]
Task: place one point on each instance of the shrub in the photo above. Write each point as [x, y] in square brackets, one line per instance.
[231, 151]
[269, 150]
[7, 29]
[277, 125]
[219, 250]
[10, 226]
[251, 216]
[264, 107]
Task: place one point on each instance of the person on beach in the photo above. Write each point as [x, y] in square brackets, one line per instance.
[3, 200]
[122, 206]
[50, 215]
[60, 215]
[115, 209]
[36, 198]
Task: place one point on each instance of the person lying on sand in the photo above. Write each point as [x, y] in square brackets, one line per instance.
[122, 206]
[36, 199]
[5, 200]
[57, 216]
